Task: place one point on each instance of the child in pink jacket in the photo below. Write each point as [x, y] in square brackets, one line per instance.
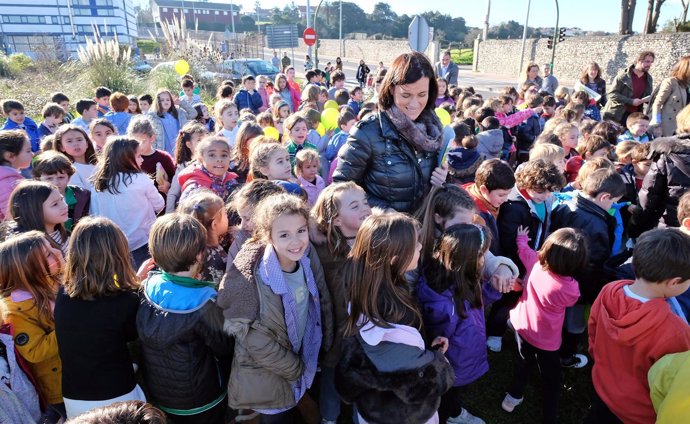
[15, 154]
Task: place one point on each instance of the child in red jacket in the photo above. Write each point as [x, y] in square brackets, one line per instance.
[631, 326]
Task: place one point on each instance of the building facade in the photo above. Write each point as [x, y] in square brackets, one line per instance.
[54, 29]
[207, 15]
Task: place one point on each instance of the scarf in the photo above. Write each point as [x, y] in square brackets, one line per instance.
[222, 186]
[189, 282]
[425, 134]
[474, 191]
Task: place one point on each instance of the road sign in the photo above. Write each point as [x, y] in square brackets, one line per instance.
[282, 36]
[418, 34]
[309, 36]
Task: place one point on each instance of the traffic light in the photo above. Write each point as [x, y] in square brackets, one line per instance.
[318, 43]
[549, 43]
[561, 35]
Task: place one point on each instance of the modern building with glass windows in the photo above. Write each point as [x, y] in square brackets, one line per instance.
[56, 28]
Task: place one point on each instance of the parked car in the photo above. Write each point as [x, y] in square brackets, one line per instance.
[254, 67]
[202, 72]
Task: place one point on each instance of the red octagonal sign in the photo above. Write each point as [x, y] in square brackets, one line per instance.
[309, 36]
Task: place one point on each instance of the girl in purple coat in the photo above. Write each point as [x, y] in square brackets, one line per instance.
[452, 296]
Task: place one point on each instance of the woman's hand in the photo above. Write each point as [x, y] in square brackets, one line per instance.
[145, 268]
[442, 344]
[438, 177]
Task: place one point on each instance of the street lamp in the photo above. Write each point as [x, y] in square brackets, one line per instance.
[524, 38]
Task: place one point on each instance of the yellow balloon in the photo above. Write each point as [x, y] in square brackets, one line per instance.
[443, 115]
[329, 119]
[331, 104]
[181, 67]
[321, 129]
[271, 132]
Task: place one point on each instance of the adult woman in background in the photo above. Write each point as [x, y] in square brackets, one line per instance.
[671, 99]
[591, 78]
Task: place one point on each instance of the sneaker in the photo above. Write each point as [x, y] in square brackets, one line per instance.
[465, 418]
[494, 343]
[509, 403]
[575, 361]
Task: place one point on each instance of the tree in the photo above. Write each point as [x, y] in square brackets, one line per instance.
[506, 30]
[627, 14]
[652, 18]
[383, 18]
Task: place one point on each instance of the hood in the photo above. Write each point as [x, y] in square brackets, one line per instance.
[428, 295]
[9, 173]
[196, 173]
[118, 118]
[495, 133]
[627, 320]
[462, 158]
[667, 145]
[174, 298]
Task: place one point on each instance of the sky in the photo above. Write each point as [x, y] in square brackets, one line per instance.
[590, 15]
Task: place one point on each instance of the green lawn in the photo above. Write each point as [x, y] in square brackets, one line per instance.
[462, 56]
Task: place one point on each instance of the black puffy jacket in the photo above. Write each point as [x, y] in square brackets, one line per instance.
[596, 223]
[377, 158]
[667, 180]
[181, 330]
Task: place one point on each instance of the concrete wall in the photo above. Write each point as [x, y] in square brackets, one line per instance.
[372, 51]
[612, 53]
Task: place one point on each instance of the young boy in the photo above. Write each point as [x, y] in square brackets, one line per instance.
[637, 124]
[63, 101]
[118, 115]
[145, 103]
[529, 130]
[188, 90]
[56, 168]
[338, 83]
[103, 100]
[342, 97]
[346, 120]
[248, 97]
[463, 158]
[631, 326]
[179, 323]
[356, 96]
[53, 115]
[493, 182]
[633, 173]
[589, 211]
[88, 109]
[17, 120]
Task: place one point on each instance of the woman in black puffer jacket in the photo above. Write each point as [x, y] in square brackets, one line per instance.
[667, 180]
[394, 154]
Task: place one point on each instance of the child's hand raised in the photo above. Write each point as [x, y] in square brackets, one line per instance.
[523, 231]
[145, 268]
[440, 344]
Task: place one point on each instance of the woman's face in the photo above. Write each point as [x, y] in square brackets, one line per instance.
[592, 72]
[412, 98]
[533, 72]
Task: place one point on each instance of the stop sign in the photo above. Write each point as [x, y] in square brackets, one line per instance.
[309, 36]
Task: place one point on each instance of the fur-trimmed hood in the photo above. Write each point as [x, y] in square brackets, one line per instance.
[667, 145]
[237, 294]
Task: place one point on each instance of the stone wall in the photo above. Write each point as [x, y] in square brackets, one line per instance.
[612, 53]
[372, 51]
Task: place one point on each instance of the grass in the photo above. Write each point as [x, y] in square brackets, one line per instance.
[462, 56]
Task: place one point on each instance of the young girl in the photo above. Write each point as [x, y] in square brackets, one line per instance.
[185, 146]
[289, 95]
[134, 108]
[157, 164]
[209, 209]
[538, 317]
[76, 145]
[204, 118]
[100, 129]
[168, 119]
[384, 359]
[15, 154]
[227, 115]
[95, 317]
[211, 171]
[296, 135]
[307, 164]
[125, 194]
[276, 344]
[443, 94]
[310, 97]
[452, 296]
[29, 269]
[240, 153]
[35, 205]
[281, 111]
[265, 119]
[568, 134]
[270, 161]
[339, 212]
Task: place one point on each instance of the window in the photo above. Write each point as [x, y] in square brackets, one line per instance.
[54, 19]
[165, 10]
[225, 13]
[217, 12]
[174, 10]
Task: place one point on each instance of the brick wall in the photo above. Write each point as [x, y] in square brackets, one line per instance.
[612, 53]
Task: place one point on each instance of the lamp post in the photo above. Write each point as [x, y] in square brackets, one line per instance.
[485, 33]
[340, 31]
[555, 38]
[524, 38]
[316, 50]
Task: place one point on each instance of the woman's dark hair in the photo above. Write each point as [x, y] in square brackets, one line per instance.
[407, 69]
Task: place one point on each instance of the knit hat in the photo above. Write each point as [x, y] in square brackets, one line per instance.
[464, 162]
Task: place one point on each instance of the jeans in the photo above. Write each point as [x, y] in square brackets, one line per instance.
[451, 403]
[329, 401]
[498, 316]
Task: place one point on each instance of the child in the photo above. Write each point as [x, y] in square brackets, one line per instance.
[145, 103]
[62, 100]
[452, 297]
[211, 172]
[35, 205]
[240, 153]
[95, 317]
[265, 119]
[264, 91]
[185, 146]
[637, 125]
[272, 306]
[624, 151]
[463, 157]
[490, 139]
[270, 161]
[591, 110]
[17, 120]
[103, 100]
[56, 168]
[227, 114]
[168, 120]
[346, 120]
[188, 91]
[296, 135]
[29, 272]
[636, 170]
[385, 360]
[118, 115]
[156, 163]
[209, 209]
[100, 129]
[74, 143]
[443, 93]
[549, 153]
[593, 147]
[88, 109]
[134, 108]
[492, 185]
[247, 96]
[529, 130]
[538, 317]
[179, 323]
[568, 135]
[125, 194]
[15, 154]
[588, 212]
[204, 118]
[631, 326]
[307, 164]
[355, 102]
[134, 411]
[310, 98]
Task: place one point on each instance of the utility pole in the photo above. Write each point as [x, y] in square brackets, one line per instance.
[524, 38]
[485, 33]
[308, 25]
[316, 50]
[234, 34]
[340, 32]
[555, 38]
